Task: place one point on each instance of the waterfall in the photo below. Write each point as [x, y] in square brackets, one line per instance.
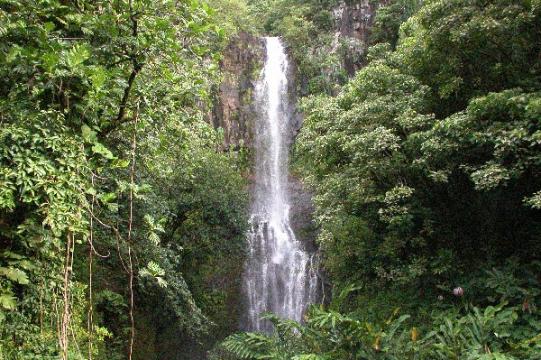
[280, 276]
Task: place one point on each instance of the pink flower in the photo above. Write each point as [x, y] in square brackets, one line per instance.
[458, 291]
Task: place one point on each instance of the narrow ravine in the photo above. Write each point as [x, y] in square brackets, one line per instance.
[279, 275]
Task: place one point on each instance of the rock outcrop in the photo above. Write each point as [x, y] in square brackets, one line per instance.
[243, 58]
[353, 24]
[234, 110]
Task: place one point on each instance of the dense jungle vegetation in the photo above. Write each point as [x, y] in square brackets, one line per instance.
[119, 216]
[426, 169]
[122, 219]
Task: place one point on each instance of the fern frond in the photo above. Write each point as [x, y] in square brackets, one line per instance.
[249, 346]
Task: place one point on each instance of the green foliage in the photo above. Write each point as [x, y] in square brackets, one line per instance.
[101, 104]
[425, 168]
[389, 18]
[233, 16]
[359, 159]
[495, 127]
[465, 49]
[505, 330]
[397, 187]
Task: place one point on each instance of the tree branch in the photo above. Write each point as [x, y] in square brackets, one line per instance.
[137, 66]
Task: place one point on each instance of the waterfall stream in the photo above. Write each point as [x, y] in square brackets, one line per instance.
[279, 275]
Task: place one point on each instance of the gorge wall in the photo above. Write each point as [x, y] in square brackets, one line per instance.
[235, 112]
[234, 109]
[243, 58]
[353, 24]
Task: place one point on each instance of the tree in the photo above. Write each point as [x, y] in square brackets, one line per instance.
[92, 95]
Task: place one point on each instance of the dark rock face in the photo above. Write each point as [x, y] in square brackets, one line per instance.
[236, 113]
[234, 110]
[354, 21]
[296, 118]
[243, 59]
[301, 213]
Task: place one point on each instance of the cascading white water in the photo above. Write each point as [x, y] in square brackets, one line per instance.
[279, 275]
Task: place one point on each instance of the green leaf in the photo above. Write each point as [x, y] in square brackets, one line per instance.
[98, 77]
[89, 135]
[121, 163]
[77, 55]
[15, 275]
[14, 52]
[107, 197]
[8, 301]
[103, 151]
[48, 26]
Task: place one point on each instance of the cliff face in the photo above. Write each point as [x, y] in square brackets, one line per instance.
[242, 62]
[355, 20]
[353, 24]
[234, 111]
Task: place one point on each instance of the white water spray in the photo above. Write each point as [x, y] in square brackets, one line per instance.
[279, 275]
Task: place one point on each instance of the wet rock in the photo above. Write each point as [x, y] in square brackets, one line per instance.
[234, 110]
[302, 214]
[353, 23]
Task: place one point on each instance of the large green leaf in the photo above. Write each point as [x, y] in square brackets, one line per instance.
[15, 275]
[8, 301]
